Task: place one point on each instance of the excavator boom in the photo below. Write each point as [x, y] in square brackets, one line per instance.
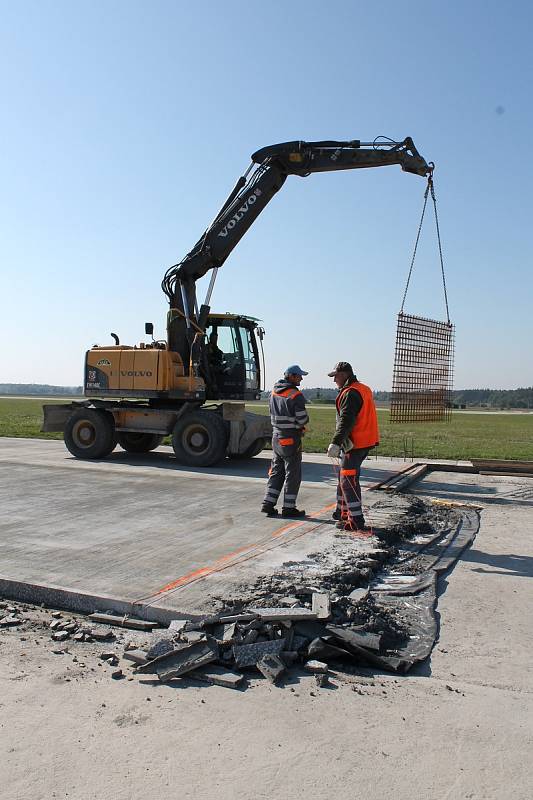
[303, 158]
[247, 200]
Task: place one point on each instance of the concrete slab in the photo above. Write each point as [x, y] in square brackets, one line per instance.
[140, 527]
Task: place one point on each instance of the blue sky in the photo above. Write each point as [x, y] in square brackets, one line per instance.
[124, 125]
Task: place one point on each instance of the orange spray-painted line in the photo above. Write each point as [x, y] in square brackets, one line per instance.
[292, 525]
[152, 599]
[221, 563]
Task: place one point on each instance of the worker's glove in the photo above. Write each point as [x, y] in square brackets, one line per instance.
[334, 451]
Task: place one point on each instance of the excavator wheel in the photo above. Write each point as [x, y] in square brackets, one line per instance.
[139, 442]
[90, 433]
[200, 439]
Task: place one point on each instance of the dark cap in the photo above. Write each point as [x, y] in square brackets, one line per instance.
[341, 366]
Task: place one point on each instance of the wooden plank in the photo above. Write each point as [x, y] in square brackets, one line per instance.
[409, 478]
[393, 481]
[382, 484]
[464, 469]
[503, 474]
[502, 463]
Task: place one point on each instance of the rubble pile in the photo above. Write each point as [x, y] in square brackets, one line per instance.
[271, 641]
[220, 650]
[224, 650]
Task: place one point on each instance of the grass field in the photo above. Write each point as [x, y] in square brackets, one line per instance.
[467, 436]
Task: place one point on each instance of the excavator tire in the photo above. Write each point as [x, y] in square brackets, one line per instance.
[139, 442]
[252, 451]
[200, 439]
[90, 433]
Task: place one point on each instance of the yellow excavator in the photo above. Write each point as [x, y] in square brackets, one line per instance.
[137, 395]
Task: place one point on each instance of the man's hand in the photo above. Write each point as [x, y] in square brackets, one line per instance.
[334, 451]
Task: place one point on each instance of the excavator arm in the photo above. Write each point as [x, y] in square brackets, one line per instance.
[303, 158]
[252, 192]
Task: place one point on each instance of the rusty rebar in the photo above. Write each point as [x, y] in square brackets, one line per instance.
[422, 381]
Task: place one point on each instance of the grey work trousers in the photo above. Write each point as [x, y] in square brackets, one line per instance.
[285, 470]
[348, 487]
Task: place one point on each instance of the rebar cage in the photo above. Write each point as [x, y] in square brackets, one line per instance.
[422, 380]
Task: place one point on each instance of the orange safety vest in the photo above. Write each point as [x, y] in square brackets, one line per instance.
[290, 394]
[365, 432]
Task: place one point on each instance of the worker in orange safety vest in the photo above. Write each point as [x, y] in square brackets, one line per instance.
[355, 434]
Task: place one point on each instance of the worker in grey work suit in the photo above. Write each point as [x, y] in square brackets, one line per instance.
[289, 418]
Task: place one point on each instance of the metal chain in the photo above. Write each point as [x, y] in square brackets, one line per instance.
[429, 188]
[430, 183]
[416, 245]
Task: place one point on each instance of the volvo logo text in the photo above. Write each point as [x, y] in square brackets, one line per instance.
[240, 213]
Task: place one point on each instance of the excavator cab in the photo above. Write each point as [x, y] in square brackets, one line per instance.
[231, 365]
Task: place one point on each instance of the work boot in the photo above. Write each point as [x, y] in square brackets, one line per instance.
[269, 509]
[336, 514]
[294, 513]
[356, 525]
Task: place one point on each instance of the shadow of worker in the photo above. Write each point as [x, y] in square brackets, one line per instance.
[500, 564]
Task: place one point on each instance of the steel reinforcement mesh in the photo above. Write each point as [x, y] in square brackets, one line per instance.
[422, 380]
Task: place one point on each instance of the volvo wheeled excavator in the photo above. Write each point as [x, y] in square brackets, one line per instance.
[137, 395]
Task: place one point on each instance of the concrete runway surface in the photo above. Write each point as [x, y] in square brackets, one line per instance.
[130, 526]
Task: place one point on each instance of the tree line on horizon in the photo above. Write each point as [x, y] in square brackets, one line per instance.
[38, 389]
[485, 398]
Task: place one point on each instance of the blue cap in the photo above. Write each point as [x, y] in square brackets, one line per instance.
[295, 370]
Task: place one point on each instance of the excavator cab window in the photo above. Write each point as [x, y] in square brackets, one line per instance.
[232, 359]
[249, 348]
